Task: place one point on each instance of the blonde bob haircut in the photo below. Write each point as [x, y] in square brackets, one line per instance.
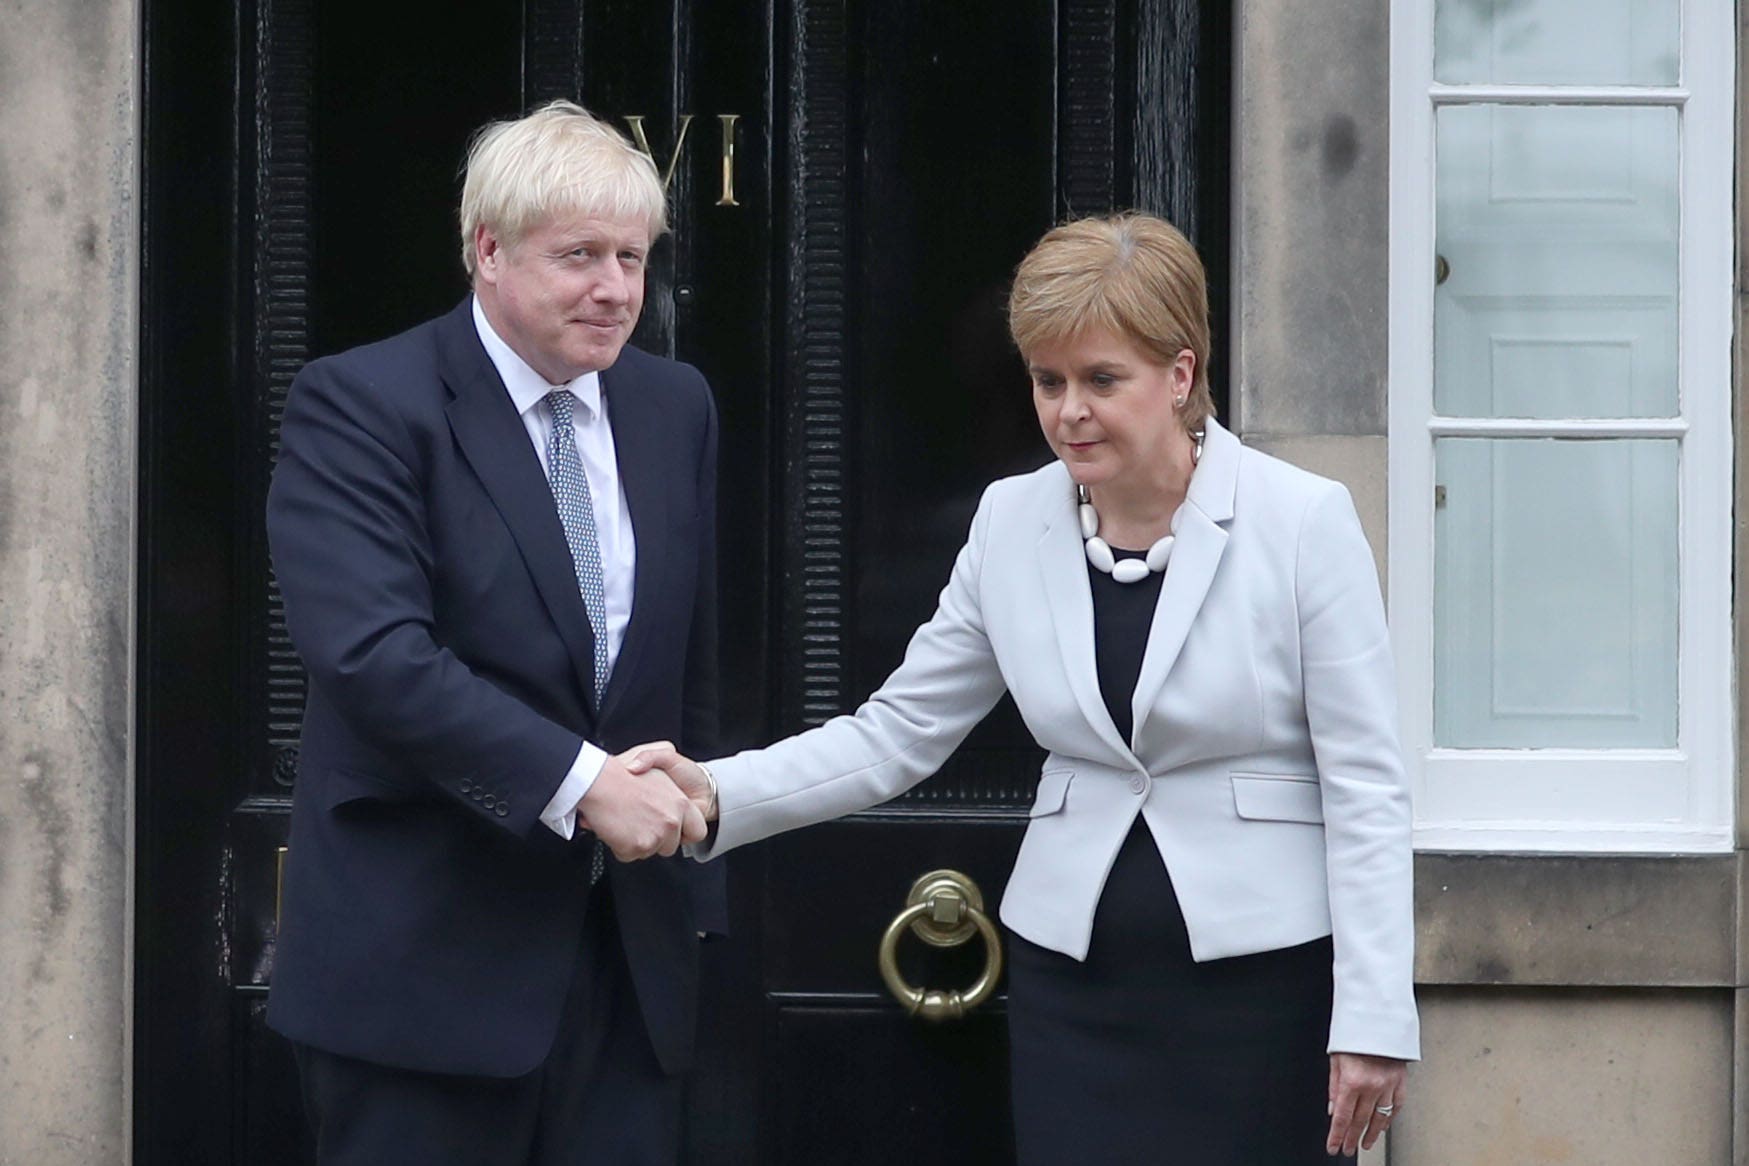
[559, 160]
[1131, 274]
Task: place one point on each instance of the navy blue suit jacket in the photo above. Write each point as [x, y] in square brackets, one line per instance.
[428, 919]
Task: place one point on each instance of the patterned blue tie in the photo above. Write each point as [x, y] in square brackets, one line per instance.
[577, 513]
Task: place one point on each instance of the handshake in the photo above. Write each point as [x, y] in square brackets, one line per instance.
[649, 800]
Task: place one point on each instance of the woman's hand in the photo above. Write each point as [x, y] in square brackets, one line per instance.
[688, 776]
[1365, 1094]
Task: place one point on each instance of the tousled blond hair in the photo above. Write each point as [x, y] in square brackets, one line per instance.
[560, 159]
[1131, 274]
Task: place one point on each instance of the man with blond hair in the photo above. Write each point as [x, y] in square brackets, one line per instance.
[495, 537]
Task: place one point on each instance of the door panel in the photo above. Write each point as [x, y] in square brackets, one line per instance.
[857, 181]
[952, 165]
[924, 169]
[834, 1053]
[824, 940]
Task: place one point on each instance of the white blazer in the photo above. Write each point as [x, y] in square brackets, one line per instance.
[1264, 758]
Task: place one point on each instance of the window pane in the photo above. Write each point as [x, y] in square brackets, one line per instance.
[1557, 236]
[1557, 42]
[1555, 593]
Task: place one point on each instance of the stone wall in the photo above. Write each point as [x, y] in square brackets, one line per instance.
[67, 404]
[1311, 251]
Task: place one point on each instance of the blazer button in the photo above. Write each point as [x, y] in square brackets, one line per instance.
[1138, 784]
[503, 811]
[467, 786]
[488, 801]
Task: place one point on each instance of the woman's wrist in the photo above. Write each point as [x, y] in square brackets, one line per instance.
[710, 814]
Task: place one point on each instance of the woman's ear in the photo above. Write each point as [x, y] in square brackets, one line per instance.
[1183, 374]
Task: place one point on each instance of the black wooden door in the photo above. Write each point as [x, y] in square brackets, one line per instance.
[852, 183]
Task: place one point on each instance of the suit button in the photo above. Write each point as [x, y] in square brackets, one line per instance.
[1138, 784]
[467, 787]
[503, 811]
[476, 794]
[488, 801]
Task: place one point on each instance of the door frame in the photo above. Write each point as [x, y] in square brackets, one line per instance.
[199, 538]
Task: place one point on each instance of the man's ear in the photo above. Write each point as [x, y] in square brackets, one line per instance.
[488, 253]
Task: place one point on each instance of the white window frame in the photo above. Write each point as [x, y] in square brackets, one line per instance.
[1574, 800]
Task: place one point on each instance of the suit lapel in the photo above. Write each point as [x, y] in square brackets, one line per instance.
[492, 439]
[1195, 558]
[1063, 564]
[645, 467]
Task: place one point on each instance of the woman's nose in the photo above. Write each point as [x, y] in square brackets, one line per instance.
[1075, 404]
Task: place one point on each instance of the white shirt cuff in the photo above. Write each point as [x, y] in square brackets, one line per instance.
[560, 815]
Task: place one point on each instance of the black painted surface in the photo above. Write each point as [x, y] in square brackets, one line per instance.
[189, 721]
[396, 93]
[956, 180]
[921, 1094]
[893, 160]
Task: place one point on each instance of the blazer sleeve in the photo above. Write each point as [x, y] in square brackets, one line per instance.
[346, 524]
[948, 681]
[1350, 687]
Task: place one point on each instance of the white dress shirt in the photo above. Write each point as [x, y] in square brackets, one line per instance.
[613, 521]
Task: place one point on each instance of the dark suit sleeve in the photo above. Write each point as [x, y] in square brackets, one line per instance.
[699, 713]
[346, 521]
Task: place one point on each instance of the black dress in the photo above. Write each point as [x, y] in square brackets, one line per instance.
[1140, 1054]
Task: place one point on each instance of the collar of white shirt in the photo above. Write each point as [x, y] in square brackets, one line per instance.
[527, 387]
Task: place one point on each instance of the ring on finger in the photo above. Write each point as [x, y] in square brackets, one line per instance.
[1384, 1110]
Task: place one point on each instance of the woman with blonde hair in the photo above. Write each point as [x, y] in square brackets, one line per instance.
[1209, 917]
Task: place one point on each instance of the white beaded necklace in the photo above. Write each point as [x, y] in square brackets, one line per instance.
[1099, 551]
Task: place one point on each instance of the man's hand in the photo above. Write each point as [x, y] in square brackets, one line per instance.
[687, 775]
[638, 814]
